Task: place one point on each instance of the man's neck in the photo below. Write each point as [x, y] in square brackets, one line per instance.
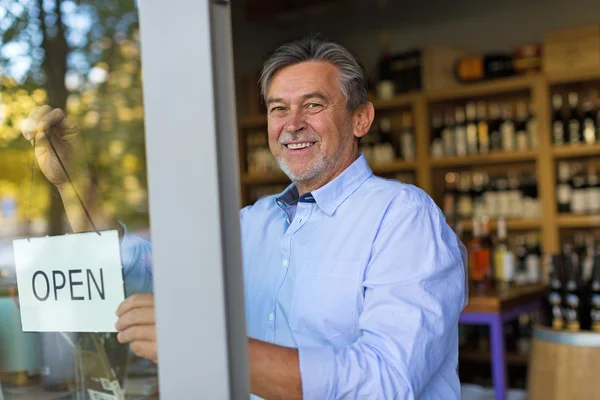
[308, 186]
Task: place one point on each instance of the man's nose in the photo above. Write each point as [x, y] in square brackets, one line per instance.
[296, 121]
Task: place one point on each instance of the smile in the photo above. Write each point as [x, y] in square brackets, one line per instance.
[298, 146]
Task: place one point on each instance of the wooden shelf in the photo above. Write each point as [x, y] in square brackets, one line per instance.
[578, 221]
[476, 356]
[578, 150]
[573, 76]
[497, 86]
[492, 158]
[264, 179]
[253, 122]
[524, 224]
[395, 166]
[399, 101]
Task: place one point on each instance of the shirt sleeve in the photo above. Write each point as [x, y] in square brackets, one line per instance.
[136, 257]
[415, 289]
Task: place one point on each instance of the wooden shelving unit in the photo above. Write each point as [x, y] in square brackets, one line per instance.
[543, 159]
[572, 151]
[578, 221]
[524, 224]
[489, 159]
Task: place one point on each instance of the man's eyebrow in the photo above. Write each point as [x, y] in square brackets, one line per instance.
[312, 95]
[316, 95]
[274, 100]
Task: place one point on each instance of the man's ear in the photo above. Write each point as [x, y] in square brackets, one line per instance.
[362, 119]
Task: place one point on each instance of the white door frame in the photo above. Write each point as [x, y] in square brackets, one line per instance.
[194, 194]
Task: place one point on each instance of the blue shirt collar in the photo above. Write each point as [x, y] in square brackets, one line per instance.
[330, 196]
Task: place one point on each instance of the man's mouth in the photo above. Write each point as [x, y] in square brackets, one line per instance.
[298, 146]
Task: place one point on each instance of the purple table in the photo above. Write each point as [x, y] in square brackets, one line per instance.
[493, 308]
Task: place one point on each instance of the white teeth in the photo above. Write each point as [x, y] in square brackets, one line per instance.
[296, 146]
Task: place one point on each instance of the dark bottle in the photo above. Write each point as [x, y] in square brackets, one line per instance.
[449, 135]
[574, 119]
[483, 135]
[472, 139]
[477, 192]
[485, 67]
[437, 143]
[555, 295]
[494, 127]
[521, 255]
[579, 185]
[573, 300]
[589, 122]
[522, 136]
[460, 130]
[451, 196]
[564, 191]
[558, 123]
[595, 295]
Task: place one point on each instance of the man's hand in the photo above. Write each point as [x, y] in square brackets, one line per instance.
[137, 325]
[65, 137]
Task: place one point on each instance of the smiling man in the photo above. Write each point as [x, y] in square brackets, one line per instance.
[354, 283]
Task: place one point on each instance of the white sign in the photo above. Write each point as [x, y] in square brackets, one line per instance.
[71, 283]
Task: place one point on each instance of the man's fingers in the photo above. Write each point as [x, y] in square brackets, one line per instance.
[137, 316]
[146, 350]
[137, 300]
[38, 112]
[138, 333]
[50, 120]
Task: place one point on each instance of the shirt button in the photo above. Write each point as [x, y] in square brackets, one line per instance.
[271, 317]
[285, 263]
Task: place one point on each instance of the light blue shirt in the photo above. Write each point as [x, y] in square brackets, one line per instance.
[366, 279]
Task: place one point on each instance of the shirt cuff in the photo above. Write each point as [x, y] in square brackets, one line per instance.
[318, 372]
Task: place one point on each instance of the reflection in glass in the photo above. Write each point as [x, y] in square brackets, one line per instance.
[82, 57]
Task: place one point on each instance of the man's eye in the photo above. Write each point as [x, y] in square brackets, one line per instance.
[277, 110]
[314, 105]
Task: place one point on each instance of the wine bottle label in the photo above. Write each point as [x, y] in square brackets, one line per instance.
[578, 201]
[589, 131]
[593, 199]
[558, 133]
[574, 131]
[461, 142]
[564, 193]
[449, 138]
[508, 136]
[522, 142]
[532, 264]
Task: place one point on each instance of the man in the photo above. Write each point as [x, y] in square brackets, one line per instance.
[354, 284]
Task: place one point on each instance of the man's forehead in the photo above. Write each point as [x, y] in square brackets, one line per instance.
[308, 78]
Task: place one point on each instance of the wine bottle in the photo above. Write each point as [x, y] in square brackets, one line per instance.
[558, 123]
[555, 296]
[472, 145]
[573, 299]
[595, 295]
[574, 119]
[450, 195]
[504, 258]
[494, 128]
[578, 201]
[465, 201]
[593, 190]
[460, 131]
[408, 137]
[437, 143]
[564, 192]
[507, 129]
[483, 128]
[522, 138]
[532, 259]
[589, 122]
[449, 135]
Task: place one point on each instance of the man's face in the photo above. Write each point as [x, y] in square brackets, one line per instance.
[310, 130]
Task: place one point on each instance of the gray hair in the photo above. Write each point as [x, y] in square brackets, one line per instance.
[353, 79]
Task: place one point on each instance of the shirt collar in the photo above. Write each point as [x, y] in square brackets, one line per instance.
[334, 193]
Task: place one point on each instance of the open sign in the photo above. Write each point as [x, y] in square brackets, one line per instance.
[71, 283]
